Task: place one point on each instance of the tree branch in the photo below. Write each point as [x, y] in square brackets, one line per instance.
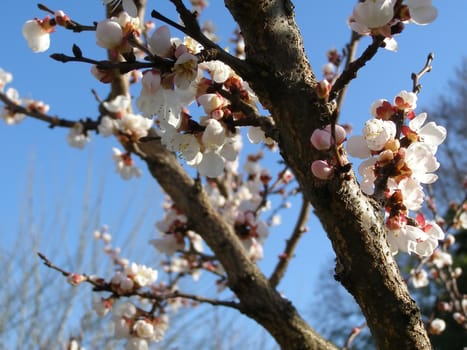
[213, 51]
[285, 86]
[53, 121]
[352, 68]
[350, 51]
[292, 242]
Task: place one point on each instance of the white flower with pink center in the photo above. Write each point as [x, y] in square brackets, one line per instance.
[371, 14]
[9, 116]
[412, 192]
[124, 164]
[406, 100]
[419, 278]
[218, 70]
[376, 134]
[186, 70]
[77, 137]
[430, 134]
[422, 162]
[37, 34]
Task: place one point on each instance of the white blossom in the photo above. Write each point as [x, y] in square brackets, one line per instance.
[160, 43]
[109, 33]
[421, 11]
[37, 34]
[5, 78]
[371, 14]
[76, 136]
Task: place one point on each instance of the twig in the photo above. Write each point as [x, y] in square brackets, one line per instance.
[352, 69]
[104, 286]
[53, 121]
[71, 25]
[350, 52]
[353, 334]
[417, 87]
[191, 28]
[199, 299]
[123, 67]
[292, 242]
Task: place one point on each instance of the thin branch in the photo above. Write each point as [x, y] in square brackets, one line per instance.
[123, 67]
[101, 286]
[212, 50]
[353, 334]
[352, 69]
[71, 25]
[53, 121]
[350, 52]
[199, 299]
[292, 243]
[417, 87]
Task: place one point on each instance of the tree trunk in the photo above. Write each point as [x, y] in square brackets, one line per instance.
[352, 221]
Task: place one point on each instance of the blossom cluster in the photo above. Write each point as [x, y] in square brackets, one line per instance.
[166, 92]
[242, 204]
[176, 237]
[208, 144]
[131, 322]
[382, 17]
[399, 157]
[10, 114]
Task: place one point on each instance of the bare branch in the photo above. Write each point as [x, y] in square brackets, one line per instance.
[292, 242]
[352, 68]
[53, 121]
[417, 87]
[350, 51]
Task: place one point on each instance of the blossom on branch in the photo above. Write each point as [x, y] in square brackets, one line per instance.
[37, 33]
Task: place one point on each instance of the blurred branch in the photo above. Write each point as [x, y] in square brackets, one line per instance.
[292, 243]
[350, 51]
[53, 121]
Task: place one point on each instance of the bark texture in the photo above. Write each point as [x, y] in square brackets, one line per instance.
[258, 299]
[352, 221]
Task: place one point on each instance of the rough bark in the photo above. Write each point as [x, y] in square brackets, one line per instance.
[352, 221]
[258, 299]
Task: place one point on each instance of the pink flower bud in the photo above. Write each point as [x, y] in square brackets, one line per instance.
[322, 140]
[74, 279]
[322, 170]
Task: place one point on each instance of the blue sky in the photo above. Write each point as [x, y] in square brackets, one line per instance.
[60, 171]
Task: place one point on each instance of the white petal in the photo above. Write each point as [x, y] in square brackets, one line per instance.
[357, 147]
[212, 165]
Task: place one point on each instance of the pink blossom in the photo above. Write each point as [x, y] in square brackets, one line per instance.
[322, 170]
[322, 140]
